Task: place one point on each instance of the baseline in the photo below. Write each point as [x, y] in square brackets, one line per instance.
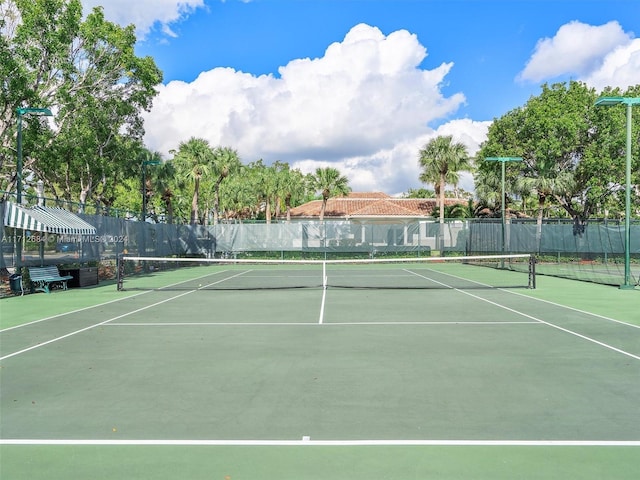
[306, 441]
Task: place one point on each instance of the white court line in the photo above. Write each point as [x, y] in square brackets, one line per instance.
[219, 281]
[102, 304]
[303, 324]
[597, 315]
[517, 312]
[433, 323]
[324, 297]
[71, 312]
[24, 350]
[189, 280]
[212, 324]
[340, 443]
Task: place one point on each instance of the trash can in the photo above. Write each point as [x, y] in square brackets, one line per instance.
[15, 283]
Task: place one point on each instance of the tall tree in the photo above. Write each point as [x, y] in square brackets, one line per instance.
[225, 161]
[488, 186]
[193, 162]
[264, 183]
[604, 157]
[145, 158]
[292, 188]
[329, 182]
[441, 160]
[164, 180]
[87, 72]
[238, 197]
[571, 149]
[419, 193]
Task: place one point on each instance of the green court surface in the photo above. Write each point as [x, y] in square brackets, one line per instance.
[181, 381]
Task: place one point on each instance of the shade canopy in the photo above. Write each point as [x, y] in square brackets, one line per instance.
[46, 219]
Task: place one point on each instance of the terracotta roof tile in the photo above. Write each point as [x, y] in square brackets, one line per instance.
[371, 205]
[388, 208]
[368, 195]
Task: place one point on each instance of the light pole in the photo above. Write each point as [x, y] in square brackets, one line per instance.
[629, 102]
[21, 112]
[503, 161]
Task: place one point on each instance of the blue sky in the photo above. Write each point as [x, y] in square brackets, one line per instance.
[363, 84]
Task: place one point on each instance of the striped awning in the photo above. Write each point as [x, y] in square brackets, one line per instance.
[46, 219]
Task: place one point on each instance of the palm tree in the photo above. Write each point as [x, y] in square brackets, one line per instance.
[441, 160]
[293, 188]
[238, 196]
[488, 182]
[522, 188]
[148, 157]
[330, 183]
[165, 180]
[265, 184]
[286, 187]
[547, 182]
[460, 210]
[193, 160]
[225, 162]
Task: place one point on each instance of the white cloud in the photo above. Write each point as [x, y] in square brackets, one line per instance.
[144, 14]
[577, 48]
[620, 68]
[395, 170]
[363, 107]
[469, 132]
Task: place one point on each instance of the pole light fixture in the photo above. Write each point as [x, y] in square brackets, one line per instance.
[629, 102]
[21, 112]
[503, 161]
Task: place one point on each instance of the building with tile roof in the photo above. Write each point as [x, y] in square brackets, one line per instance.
[372, 206]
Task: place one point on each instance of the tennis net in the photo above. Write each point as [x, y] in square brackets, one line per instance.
[153, 273]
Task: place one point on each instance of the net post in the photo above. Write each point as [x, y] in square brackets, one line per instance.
[119, 271]
[532, 271]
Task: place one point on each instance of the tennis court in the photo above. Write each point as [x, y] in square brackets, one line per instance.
[394, 371]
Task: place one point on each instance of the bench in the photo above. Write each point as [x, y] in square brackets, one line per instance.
[43, 277]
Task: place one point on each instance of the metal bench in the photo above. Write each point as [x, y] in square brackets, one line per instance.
[42, 277]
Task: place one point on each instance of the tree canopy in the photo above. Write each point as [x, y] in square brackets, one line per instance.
[573, 152]
[86, 72]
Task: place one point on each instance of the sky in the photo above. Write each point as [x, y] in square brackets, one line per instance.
[363, 85]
